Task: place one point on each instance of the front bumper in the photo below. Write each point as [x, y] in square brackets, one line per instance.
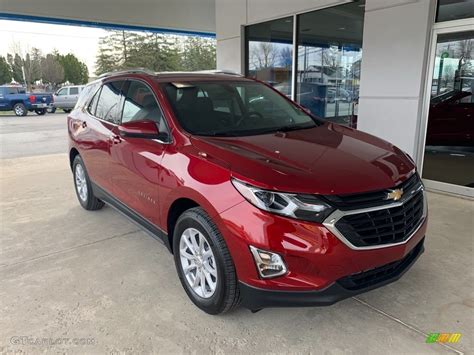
[255, 298]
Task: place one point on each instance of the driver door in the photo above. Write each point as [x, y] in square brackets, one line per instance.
[136, 162]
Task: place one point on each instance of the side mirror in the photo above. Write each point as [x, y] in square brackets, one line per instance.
[140, 129]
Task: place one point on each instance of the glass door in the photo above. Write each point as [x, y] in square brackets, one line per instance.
[448, 162]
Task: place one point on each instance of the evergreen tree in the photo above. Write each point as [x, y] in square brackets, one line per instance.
[16, 64]
[75, 72]
[198, 54]
[5, 71]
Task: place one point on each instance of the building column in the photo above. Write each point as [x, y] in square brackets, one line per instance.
[230, 16]
[394, 59]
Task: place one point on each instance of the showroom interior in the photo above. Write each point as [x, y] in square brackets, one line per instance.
[402, 70]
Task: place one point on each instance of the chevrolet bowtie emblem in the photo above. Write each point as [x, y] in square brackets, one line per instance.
[395, 194]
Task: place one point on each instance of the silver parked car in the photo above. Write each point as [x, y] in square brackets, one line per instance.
[66, 97]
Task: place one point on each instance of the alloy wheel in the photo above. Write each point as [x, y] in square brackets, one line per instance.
[81, 182]
[19, 111]
[198, 263]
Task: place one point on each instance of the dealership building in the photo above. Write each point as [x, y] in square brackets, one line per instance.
[402, 70]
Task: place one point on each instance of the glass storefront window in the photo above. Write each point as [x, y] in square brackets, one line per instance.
[449, 10]
[449, 149]
[329, 61]
[270, 53]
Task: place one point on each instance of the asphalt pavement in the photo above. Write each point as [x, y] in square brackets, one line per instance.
[32, 135]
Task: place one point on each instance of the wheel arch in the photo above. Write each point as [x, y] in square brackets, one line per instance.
[72, 155]
[177, 208]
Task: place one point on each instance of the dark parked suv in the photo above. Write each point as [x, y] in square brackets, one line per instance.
[261, 203]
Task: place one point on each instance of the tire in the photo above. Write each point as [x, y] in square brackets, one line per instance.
[52, 110]
[20, 110]
[195, 223]
[67, 110]
[83, 186]
[40, 111]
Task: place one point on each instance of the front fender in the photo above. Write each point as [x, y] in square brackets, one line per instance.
[187, 175]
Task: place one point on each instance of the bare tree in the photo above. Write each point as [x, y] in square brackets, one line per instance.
[263, 54]
[52, 70]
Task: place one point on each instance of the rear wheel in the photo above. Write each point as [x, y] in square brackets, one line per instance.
[40, 111]
[83, 186]
[67, 110]
[205, 267]
[20, 109]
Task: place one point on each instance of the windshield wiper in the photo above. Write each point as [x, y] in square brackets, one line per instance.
[294, 128]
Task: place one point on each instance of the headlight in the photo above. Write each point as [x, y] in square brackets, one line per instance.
[305, 207]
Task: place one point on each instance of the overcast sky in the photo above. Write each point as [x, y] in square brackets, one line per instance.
[79, 40]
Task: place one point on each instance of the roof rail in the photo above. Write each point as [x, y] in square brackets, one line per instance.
[128, 71]
[151, 72]
[219, 71]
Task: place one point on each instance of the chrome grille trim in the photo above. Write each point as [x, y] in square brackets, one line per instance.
[333, 218]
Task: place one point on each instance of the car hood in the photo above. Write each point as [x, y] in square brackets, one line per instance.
[328, 159]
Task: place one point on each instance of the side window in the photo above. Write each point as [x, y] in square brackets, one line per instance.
[62, 92]
[73, 91]
[140, 104]
[93, 104]
[109, 99]
[86, 94]
[12, 90]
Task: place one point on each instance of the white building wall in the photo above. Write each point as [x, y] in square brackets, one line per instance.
[394, 60]
[395, 46]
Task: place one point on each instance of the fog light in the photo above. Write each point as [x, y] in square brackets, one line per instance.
[268, 264]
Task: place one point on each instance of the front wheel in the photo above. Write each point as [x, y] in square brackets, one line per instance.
[40, 111]
[20, 109]
[67, 110]
[83, 186]
[52, 110]
[205, 267]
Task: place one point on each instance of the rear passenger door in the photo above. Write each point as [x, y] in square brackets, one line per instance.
[99, 123]
[136, 162]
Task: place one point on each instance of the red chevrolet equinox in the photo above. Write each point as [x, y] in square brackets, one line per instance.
[261, 203]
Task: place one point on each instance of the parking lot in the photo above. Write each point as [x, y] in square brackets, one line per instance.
[96, 277]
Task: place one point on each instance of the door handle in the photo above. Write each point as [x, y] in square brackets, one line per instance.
[115, 139]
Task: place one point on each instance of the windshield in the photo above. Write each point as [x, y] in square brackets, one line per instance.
[233, 109]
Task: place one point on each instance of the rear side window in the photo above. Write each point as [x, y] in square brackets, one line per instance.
[93, 104]
[73, 91]
[12, 90]
[86, 94]
[109, 99]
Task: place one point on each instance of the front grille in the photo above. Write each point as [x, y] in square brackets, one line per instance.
[370, 199]
[384, 226]
[375, 276]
